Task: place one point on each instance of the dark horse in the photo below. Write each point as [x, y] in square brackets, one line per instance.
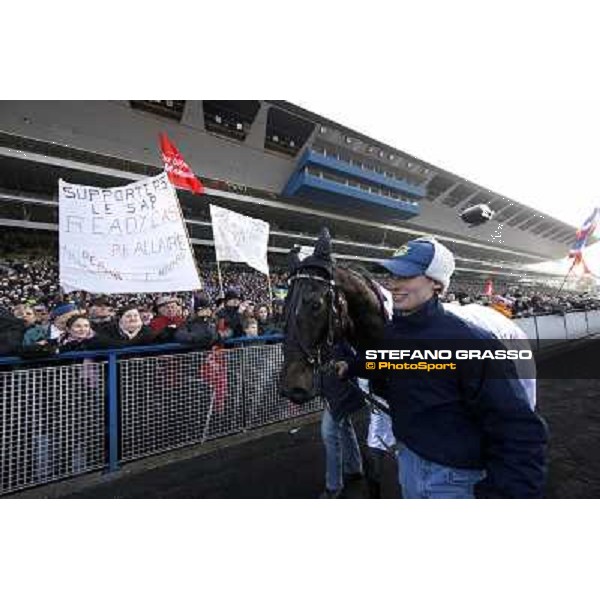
[325, 303]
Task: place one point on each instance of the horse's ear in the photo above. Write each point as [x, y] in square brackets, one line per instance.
[323, 245]
[293, 260]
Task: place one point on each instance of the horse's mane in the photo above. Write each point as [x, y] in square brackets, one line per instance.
[366, 314]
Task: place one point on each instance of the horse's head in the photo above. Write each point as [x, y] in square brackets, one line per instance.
[311, 317]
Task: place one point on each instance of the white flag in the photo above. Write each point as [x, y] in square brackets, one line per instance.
[305, 251]
[124, 239]
[239, 238]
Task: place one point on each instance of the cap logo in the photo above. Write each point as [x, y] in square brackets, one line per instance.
[401, 251]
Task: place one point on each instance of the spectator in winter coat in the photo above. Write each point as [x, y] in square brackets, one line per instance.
[18, 311]
[11, 333]
[200, 330]
[250, 327]
[129, 330]
[146, 314]
[229, 315]
[34, 332]
[169, 317]
[278, 306]
[101, 315]
[79, 336]
[266, 326]
[60, 314]
[42, 314]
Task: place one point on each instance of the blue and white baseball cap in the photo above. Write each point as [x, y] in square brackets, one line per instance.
[423, 256]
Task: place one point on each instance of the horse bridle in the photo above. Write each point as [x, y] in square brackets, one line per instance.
[324, 351]
[334, 313]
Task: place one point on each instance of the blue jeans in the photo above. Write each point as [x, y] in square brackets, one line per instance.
[421, 478]
[342, 454]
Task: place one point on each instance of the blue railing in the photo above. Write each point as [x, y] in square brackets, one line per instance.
[77, 412]
[149, 349]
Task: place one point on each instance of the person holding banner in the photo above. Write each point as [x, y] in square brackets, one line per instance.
[230, 324]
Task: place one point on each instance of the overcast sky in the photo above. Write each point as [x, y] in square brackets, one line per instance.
[508, 99]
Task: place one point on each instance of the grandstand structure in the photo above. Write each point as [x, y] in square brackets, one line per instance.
[270, 160]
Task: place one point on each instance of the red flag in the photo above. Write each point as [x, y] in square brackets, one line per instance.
[213, 371]
[180, 175]
[488, 290]
[578, 260]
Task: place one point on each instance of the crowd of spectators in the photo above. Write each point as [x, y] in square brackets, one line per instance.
[523, 301]
[37, 317]
[36, 280]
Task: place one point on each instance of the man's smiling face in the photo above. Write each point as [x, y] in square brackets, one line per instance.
[409, 293]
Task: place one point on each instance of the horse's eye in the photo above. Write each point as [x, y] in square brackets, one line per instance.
[316, 305]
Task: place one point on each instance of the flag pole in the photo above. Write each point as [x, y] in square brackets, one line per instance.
[185, 229]
[220, 279]
[270, 292]
[567, 275]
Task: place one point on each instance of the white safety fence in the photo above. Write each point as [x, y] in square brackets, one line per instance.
[550, 330]
[55, 420]
[52, 423]
[179, 399]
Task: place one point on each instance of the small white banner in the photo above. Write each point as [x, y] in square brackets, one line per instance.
[239, 238]
[305, 251]
[126, 239]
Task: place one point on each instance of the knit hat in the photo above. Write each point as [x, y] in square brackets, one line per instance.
[101, 301]
[201, 300]
[126, 308]
[423, 256]
[233, 293]
[166, 300]
[63, 309]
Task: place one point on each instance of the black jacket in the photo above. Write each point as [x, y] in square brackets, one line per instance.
[118, 339]
[11, 333]
[98, 342]
[343, 397]
[269, 327]
[199, 331]
[232, 318]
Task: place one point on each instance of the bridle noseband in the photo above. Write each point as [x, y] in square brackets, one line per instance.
[323, 355]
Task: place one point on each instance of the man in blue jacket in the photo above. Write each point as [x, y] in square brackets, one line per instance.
[464, 433]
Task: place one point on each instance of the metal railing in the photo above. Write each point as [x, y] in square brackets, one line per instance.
[103, 408]
[52, 423]
[548, 330]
